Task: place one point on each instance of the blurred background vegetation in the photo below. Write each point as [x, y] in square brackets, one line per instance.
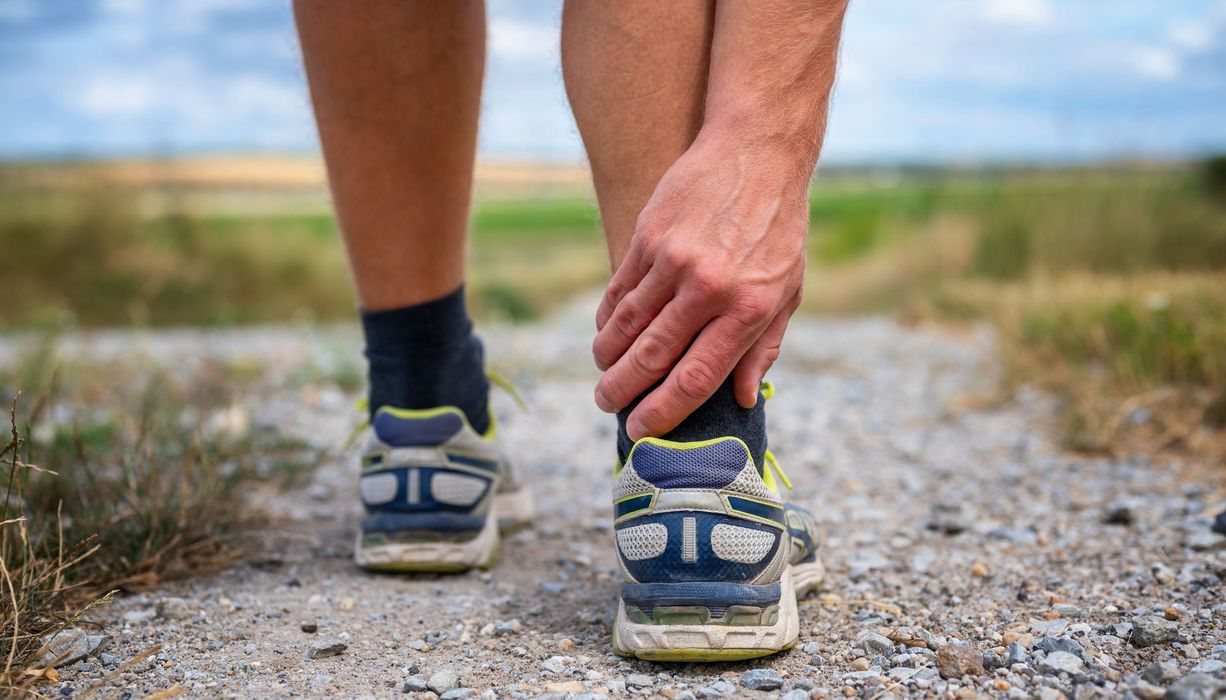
[1106, 284]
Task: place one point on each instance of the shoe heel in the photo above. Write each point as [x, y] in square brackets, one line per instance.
[434, 553]
[706, 621]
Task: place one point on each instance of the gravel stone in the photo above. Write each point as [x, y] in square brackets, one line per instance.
[70, 646]
[873, 643]
[992, 660]
[1204, 541]
[1160, 672]
[640, 680]
[1196, 686]
[443, 681]
[1121, 512]
[1151, 630]
[325, 648]
[415, 684]
[1060, 662]
[1219, 523]
[949, 519]
[1213, 667]
[1148, 691]
[1015, 653]
[173, 608]
[1051, 644]
[958, 659]
[761, 679]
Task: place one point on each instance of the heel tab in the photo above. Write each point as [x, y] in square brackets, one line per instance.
[704, 464]
[404, 427]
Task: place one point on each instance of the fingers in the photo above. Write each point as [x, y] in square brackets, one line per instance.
[636, 311]
[747, 377]
[652, 355]
[694, 379]
[627, 277]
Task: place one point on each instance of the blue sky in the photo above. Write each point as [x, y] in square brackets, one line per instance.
[939, 80]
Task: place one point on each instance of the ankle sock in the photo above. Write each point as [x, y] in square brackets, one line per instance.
[719, 416]
[424, 356]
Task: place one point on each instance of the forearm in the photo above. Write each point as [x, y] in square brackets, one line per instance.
[772, 69]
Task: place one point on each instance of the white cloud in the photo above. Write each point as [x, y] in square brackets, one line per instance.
[1156, 63]
[116, 96]
[1018, 13]
[1192, 37]
[517, 40]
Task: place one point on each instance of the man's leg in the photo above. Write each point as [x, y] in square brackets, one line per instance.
[636, 75]
[397, 88]
[713, 557]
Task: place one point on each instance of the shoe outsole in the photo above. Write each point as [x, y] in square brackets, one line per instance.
[716, 643]
[509, 513]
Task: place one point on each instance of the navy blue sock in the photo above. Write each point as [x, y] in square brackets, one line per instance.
[720, 416]
[425, 356]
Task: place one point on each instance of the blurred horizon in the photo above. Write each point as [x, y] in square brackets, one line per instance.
[943, 83]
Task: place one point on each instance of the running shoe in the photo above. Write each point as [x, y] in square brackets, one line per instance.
[438, 495]
[713, 558]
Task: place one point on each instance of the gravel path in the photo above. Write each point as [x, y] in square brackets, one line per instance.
[960, 539]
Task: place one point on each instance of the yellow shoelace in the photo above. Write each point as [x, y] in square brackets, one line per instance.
[768, 390]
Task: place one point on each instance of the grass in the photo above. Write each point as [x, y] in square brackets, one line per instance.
[142, 476]
[1107, 288]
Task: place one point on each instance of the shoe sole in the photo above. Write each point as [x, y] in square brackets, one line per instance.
[712, 643]
[509, 513]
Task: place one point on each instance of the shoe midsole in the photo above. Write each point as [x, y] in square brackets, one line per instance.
[394, 523]
[707, 594]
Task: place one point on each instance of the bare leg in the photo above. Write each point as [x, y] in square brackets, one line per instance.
[636, 75]
[396, 87]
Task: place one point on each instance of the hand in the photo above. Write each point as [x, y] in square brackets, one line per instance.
[714, 271]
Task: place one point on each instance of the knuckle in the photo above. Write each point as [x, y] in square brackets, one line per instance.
[616, 290]
[673, 257]
[709, 282]
[613, 392]
[696, 379]
[752, 307]
[651, 354]
[626, 321]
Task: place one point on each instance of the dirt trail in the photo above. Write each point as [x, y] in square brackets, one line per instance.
[946, 522]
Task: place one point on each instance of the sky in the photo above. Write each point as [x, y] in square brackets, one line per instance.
[951, 81]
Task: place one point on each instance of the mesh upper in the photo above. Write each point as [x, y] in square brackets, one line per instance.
[711, 466]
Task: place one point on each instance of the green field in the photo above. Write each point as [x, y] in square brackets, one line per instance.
[1114, 277]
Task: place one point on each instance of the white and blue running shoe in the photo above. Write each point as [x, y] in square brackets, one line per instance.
[437, 493]
[713, 558]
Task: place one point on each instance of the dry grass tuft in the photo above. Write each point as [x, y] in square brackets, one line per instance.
[36, 590]
[140, 482]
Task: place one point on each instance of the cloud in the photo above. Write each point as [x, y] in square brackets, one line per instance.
[1156, 63]
[516, 40]
[943, 79]
[1018, 13]
[1192, 37]
[107, 96]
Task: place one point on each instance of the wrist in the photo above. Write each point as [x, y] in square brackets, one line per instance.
[768, 153]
